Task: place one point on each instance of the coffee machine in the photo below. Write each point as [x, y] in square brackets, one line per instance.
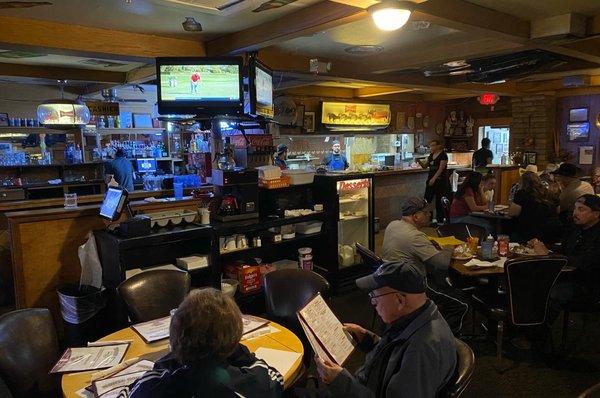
[236, 193]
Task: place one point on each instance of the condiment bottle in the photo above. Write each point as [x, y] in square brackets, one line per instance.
[487, 248]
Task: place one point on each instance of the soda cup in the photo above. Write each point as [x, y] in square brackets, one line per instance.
[472, 243]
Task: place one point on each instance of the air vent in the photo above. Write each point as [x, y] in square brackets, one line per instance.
[218, 7]
[363, 50]
[101, 62]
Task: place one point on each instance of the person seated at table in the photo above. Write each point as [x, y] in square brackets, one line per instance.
[467, 200]
[535, 211]
[207, 359]
[581, 245]
[403, 241]
[488, 185]
[416, 355]
[596, 180]
[571, 189]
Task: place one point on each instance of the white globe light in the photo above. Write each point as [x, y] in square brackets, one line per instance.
[390, 15]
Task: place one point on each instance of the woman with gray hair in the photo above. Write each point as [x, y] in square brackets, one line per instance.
[207, 359]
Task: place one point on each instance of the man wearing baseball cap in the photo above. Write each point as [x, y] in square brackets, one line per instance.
[581, 245]
[571, 188]
[415, 357]
[403, 241]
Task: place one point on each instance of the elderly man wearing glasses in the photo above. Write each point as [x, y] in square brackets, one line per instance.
[416, 355]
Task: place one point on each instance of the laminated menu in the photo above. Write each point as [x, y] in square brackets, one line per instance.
[154, 330]
[251, 323]
[324, 331]
[89, 358]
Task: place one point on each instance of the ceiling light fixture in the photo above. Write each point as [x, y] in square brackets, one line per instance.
[191, 25]
[391, 14]
[63, 113]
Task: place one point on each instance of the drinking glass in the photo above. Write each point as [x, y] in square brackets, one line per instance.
[70, 200]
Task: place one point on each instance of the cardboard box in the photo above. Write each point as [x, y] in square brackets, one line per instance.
[249, 276]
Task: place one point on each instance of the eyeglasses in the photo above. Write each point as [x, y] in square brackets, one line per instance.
[374, 297]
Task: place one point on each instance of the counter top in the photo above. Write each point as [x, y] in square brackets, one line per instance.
[370, 174]
[85, 199]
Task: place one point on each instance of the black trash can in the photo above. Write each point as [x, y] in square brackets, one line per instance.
[84, 313]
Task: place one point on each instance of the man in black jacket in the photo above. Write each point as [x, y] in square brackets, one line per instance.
[415, 357]
[581, 245]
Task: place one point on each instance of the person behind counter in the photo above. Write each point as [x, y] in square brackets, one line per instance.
[483, 156]
[280, 158]
[437, 179]
[335, 160]
[121, 170]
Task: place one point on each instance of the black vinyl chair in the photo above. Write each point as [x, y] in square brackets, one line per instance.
[286, 292]
[153, 294]
[529, 282]
[28, 350]
[446, 203]
[462, 231]
[369, 258]
[592, 392]
[465, 366]
[578, 308]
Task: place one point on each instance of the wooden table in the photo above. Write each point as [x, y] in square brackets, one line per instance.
[283, 340]
[459, 267]
[496, 219]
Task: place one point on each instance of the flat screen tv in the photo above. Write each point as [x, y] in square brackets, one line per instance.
[260, 90]
[199, 86]
[146, 165]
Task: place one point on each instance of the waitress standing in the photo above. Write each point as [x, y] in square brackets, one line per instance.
[437, 179]
[335, 160]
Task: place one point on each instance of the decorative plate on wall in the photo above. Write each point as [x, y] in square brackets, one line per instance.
[285, 111]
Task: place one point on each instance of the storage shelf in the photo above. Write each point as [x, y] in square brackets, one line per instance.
[256, 251]
[352, 218]
[352, 200]
[124, 131]
[167, 159]
[37, 130]
[246, 226]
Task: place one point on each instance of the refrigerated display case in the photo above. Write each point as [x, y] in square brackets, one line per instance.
[348, 204]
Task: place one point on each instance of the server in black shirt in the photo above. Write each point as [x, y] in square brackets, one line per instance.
[437, 179]
[483, 156]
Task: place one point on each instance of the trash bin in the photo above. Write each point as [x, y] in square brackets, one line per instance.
[84, 313]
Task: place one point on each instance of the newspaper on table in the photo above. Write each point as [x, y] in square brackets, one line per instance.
[151, 331]
[90, 358]
[324, 331]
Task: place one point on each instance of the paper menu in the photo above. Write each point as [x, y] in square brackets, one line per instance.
[278, 359]
[251, 323]
[115, 384]
[327, 330]
[154, 330]
[116, 378]
[90, 358]
[312, 340]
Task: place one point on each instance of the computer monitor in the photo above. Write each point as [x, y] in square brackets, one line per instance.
[113, 203]
[146, 165]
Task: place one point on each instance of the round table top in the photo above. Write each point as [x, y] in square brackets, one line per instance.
[283, 339]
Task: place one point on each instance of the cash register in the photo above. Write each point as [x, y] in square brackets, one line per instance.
[115, 201]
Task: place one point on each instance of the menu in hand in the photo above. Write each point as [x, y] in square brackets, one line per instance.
[325, 332]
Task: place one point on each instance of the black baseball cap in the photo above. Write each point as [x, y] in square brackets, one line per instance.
[414, 205]
[591, 201]
[566, 170]
[403, 276]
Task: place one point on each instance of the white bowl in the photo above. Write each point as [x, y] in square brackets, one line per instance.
[229, 286]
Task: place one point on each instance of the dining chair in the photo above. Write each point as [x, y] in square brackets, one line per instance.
[446, 204]
[463, 373]
[529, 283]
[369, 258]
[592, 392]
[29, 347]
[462, 231]
[286, 292]
[577, 307]
[153, 294]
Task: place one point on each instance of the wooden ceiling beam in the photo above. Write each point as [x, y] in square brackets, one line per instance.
[60, 38]
[378, 91]
[141, 75]
[56, 73]
[304, 22]
[467, 17]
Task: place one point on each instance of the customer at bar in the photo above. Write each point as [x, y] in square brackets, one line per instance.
[581, 245]
[121, 170]
[437, 179]
[467, 200]
[571, 189]
[483, 156]
[207, 359]
[280, 158]
[403, 241]
[416, 355]
[535, 211]
[596, 180]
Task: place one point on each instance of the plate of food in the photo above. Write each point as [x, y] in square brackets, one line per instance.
[462, 252]
[522, 250]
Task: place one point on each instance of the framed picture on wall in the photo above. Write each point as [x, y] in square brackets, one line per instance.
[578, 115]
[586, 155]
[299, 116]
[578, 131]
[529, 157]
[309, 122]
